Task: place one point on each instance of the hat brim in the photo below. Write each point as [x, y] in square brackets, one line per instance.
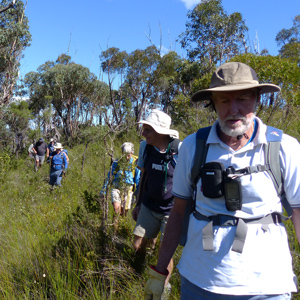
[206, 94]
[158, 129]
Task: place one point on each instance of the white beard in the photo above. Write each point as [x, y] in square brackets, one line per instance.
[238, 129]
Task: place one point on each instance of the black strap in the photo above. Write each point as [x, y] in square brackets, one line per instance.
[199, 159]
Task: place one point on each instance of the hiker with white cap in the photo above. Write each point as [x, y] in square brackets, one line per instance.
[236, 245]
[59, 165]
[157, 160]
[50, 147]
[40, 149]
[124, 176]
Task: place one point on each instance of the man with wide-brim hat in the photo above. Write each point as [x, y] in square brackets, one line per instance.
[157, 160]
[59, 165]
[219, 260]
[234, 76]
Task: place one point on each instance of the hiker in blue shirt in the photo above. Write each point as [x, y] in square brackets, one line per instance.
[59, 165]
[50, 147]
[124, 177]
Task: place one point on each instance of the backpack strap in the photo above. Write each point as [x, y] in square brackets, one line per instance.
[200, 154]
[199, 159]
[272, 159]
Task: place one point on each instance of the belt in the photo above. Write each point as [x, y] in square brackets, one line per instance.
[241, 227]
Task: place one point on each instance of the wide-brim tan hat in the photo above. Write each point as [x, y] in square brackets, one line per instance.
[160, 122]
[234, 76]
[58, 146]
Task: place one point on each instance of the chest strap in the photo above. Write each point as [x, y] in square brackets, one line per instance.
[241, 227]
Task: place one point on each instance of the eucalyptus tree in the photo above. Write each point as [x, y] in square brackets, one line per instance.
[289, 41]
[69, 88]
[114, 65]
[280, 71]
[212, 36]
[137, 83]
[174, 76]
[17, 117]
[14, 38]
[141, 82]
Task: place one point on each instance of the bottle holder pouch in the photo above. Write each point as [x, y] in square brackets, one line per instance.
[212, 175]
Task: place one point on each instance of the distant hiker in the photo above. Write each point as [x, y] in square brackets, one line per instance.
[236, 245]
[157, 160]
[50, 147]
[40, 150]
[59, 165]
[31, 152]
[124, 177]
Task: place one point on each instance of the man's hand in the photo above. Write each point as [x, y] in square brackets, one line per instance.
[155, 284]
[135, 212]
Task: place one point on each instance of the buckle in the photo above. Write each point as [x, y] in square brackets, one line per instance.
[224, 220]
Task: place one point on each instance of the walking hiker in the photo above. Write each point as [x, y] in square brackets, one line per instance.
[124, 177]
[31, 152]
[50, 147]
[236, 245]
[157, 160]
[59, 165]
[40, 149]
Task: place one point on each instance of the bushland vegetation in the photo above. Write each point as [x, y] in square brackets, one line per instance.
[64, 244]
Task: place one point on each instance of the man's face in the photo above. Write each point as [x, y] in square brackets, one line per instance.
[235, 110]
[128, 155]
[150, 134]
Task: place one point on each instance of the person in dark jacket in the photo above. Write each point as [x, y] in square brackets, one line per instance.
[59, 165]
[155, 199]
[40, 149]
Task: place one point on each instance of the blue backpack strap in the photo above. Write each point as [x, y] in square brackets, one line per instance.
[274, 137]
[199, 159]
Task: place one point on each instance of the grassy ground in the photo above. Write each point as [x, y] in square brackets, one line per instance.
[55, 245]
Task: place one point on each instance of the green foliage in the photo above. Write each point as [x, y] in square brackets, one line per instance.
[280, 71]
[289, 40]
[74, 93]
[14, 38]
[5, 164]
[54, 245]
[189, 117]
[212, 36]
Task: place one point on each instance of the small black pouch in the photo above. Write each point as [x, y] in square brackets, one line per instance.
[212, 175]
[233, 194]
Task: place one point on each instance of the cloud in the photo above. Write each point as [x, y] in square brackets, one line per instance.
[164, 50]
[190, 3]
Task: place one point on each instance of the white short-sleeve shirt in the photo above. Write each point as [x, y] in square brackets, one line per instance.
[265, 266]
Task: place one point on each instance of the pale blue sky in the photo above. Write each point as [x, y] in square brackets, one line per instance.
[88, 27]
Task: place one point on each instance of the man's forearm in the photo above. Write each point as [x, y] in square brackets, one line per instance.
[141, 185]
[296, 222]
